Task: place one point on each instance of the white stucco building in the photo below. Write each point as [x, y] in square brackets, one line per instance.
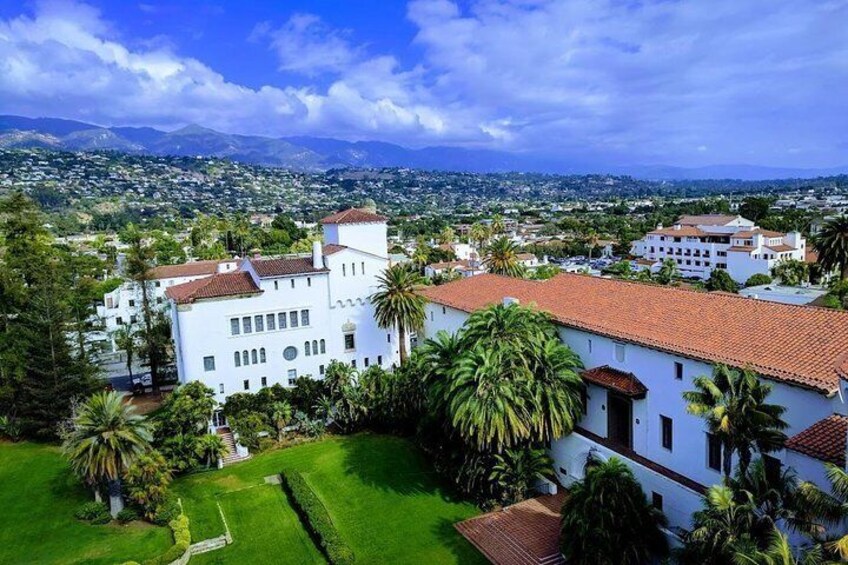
[699, 244]
[271, 321]
[642, 346]
[123, 306]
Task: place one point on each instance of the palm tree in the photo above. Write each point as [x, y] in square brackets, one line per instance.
[420, 256]
[324, 408]
[512, 325]
[447, 235]
[281, 415]
[211, 448]
[831, 243]
[778, 552]
[433, 361]
[479, 234]
[498, 224]
[668, 272]
[108, 436]
[733, 403]
[397, 305]
[125, 340]
[722, 526]
[591, 241]
[502, 258]
[833, 508]
[556, 390]
[337, 376]
[607, 520]
[516, 471]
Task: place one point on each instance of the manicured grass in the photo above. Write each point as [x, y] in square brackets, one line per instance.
[38, 498]
[381, 494]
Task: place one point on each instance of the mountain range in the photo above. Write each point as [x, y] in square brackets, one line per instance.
[317, 154]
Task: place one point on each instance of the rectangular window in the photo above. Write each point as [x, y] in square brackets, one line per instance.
[271, 322]
[713, 452]
[209, 363]
[235, 327]
[349, 342]
[276, 285]
[246, 384]
[292, 375]
[320, 369]
[619, 352]
[366, 362]
[281, 318]
[119, 321]
[133, 319]
[388, 338]
[590, 345]
[656, 500]
[344, 270]
[678, 370]
[353, 269]
[304, 317]
[309, 281]
[363, 267]
[247, 325]
[353, 363]
[667, 431]
[132, 303]
[264, 381]
[380, 360]
[221, 388]
[293, 319]
[292, 283]
[259, 323]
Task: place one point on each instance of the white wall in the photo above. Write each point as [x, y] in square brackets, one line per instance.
[370, 238]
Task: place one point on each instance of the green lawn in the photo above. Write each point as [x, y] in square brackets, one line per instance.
[379, 490]
[38, 498]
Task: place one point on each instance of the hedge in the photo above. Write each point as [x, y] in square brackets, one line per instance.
[182, 541]
[316, 518]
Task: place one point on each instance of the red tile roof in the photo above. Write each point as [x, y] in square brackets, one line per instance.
[526, 533]
[285, 266]
[216, 286]
[751, 233]
[742, 248]
[193, 269]
[781, 248]
[806, 346]
[332, 248]
[812, 256]
[354, 216]
[682, 231]
[824, 440]
[619, 381]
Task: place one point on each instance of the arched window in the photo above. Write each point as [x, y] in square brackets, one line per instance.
[237, 359]
[323, 346]
[245, 360]
[315, 347]
[254, 357]
[306, 350]
[262, 357]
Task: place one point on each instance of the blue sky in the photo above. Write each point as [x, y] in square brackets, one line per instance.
[587, 81]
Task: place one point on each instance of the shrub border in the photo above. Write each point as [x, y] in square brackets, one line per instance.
[315, 517]
[182, 541]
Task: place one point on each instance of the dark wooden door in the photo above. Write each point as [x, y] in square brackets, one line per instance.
[620, 420]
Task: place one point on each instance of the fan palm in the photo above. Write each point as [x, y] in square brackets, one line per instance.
[396, 304]
[831, 243]
[210, 447]
[502, 258]
[607, 520]
[107, 438]
[733, 403]
[517, 470]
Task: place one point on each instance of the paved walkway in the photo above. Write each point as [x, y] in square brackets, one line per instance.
[526, 533]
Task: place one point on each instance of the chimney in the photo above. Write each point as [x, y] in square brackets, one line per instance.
[509, 301]
[317, 255]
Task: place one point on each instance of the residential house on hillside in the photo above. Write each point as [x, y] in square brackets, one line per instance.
[699, 244]
[642, 345]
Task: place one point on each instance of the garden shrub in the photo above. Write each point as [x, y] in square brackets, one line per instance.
[94, 512]
[168, 511]
[128, 514]
[182, 540]
[316, 518]
[758, 280]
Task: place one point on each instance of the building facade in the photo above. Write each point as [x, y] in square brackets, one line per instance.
[699, 244]
[273, 320]
[642, 346]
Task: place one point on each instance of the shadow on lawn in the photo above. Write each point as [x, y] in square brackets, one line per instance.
[393, 464]
[460, 547]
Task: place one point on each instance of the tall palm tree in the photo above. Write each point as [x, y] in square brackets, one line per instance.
[125, 340]
[733, 403]
[516, 471]
[831, 243]
[556, 390]
[446, 235]
[281, 415]
[607, 520]
[502, 258]
[397, 305]
[434, 361]
[108, 436]
[512, 325]
[724, 524]
[479, 234]
[498, 224]
[421, 256]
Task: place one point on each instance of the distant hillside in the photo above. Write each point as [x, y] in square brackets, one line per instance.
[305, 153]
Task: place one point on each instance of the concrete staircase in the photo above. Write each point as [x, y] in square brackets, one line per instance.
[232, 455]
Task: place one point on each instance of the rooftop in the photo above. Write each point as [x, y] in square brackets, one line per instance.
[354, 216]
[285, 266]
[706, 220]
[193, 269]
[825, 440]
[613, 379]
[217, 286]
[806, 346]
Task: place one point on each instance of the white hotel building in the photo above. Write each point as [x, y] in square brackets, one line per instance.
[699, 244]
[271, 321]
[642, 345]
